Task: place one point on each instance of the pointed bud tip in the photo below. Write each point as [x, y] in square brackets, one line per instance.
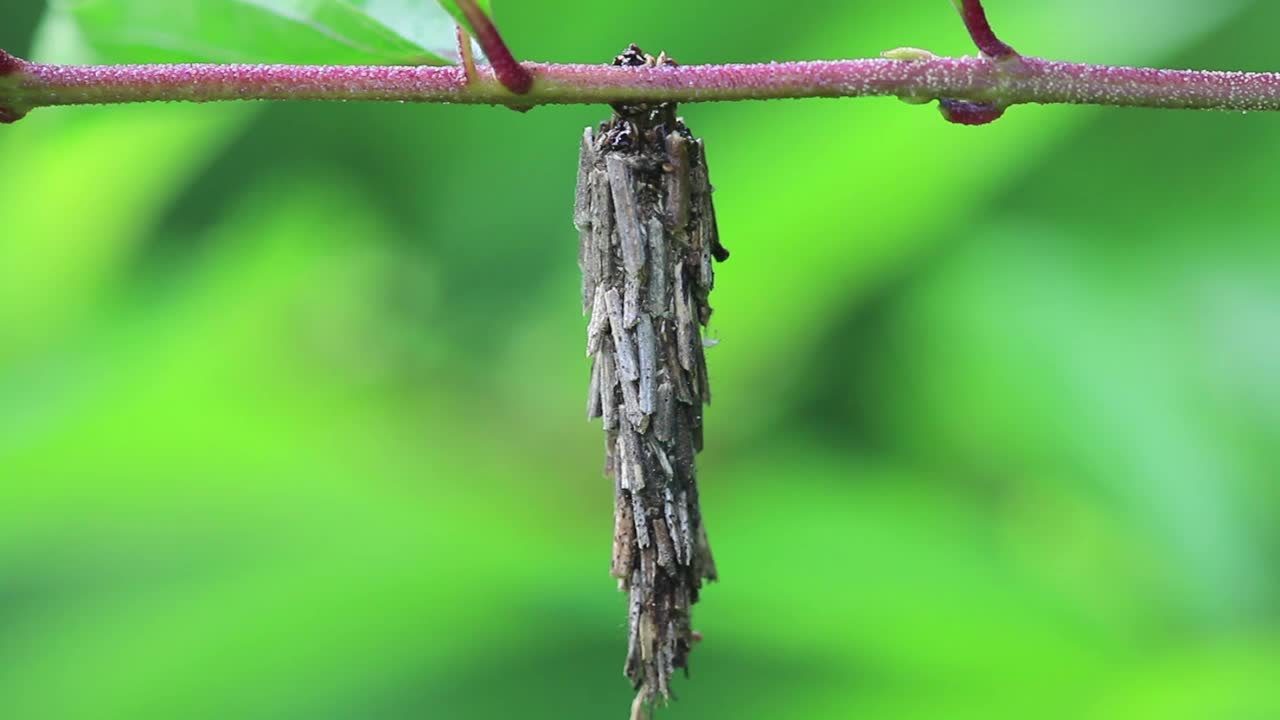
[963, 112]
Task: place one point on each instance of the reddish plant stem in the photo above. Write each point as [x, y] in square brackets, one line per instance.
[975, 19]
[976, 80]
[9, 66]
[513, 76]
[971, 91]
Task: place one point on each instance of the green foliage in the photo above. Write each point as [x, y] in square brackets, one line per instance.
[291, 420]
[286, 31]
[461, 18]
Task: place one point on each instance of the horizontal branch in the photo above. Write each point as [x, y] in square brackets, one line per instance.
[917, 76]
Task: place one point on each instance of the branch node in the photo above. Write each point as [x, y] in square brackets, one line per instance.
[513, 76]
[975, 19]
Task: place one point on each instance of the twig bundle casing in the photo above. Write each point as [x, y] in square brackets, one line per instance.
[648, 238]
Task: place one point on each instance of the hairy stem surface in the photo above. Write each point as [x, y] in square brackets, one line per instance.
[978, 80]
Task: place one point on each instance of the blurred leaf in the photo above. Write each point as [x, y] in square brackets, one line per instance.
[1120, 356]
[120, 169]
[452, 7]
[335, 32]
[1232, 678]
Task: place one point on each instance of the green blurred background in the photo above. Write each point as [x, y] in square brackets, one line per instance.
[291, 396]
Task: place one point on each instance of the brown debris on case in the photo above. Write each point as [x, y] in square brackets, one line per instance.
[648, 236]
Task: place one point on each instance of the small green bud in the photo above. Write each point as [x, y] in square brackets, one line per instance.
[908, 53]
